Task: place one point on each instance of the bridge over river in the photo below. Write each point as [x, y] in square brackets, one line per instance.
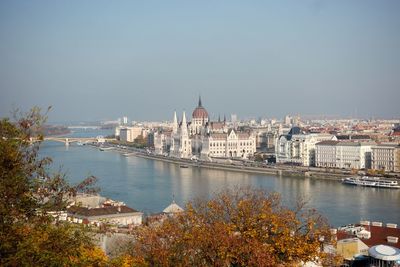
[69, 140]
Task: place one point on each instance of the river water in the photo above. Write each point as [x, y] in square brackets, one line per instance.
[149, 186]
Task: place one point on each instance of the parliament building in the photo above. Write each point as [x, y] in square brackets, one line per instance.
[203, 139]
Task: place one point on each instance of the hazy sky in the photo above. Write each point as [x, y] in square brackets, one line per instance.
[95, 60]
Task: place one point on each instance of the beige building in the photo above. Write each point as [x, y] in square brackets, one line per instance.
[386, 157]
[129, 134]
[350, 247]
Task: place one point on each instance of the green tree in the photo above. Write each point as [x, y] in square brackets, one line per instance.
[29, 235]
[141, 141]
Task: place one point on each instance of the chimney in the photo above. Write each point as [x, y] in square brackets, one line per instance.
[392, 239]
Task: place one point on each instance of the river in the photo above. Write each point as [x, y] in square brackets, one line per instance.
[149, 186]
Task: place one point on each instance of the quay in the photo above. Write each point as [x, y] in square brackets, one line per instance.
[276, 170]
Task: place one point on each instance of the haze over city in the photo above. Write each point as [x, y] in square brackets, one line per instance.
[96, 60]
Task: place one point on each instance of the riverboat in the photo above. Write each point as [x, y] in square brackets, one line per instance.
[371, 182]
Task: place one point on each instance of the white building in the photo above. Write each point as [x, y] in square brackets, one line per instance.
[386, 157]
[353, 155]
[95, 209]
[344, 155]
[325, 154]
[203, 138]
[299, 148]
[229, 145]
[117, 215]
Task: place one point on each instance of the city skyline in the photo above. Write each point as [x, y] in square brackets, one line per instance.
[102, 60]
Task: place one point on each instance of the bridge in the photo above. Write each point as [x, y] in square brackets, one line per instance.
[87, 127]
[69, 140]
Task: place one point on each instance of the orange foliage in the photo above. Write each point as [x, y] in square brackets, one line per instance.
[242, 227]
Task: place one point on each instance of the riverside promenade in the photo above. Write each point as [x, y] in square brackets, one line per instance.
[276, 170]
[243, 166]
[270, 170]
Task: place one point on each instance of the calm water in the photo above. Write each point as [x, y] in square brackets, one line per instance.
[149, 185]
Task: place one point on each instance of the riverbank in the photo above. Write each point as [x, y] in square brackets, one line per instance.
[131, 178]
[248, 167]
[271, 170]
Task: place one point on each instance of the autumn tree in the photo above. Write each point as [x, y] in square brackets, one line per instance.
[240, 227]
[29, 235]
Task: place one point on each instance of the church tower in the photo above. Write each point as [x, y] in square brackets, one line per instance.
[185, 142]
[184, 129]
[175, 124]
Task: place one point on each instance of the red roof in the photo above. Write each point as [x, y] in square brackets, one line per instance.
[200, 113]
[379, 236]
[83, 211]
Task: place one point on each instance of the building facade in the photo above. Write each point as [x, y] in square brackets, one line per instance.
[129, 134]
[229, 145]
[299, 148]
[204, 139]
[325, 154]
[386, 157]
[343, 155]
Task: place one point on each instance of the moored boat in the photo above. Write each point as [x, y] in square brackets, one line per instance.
[371, 182]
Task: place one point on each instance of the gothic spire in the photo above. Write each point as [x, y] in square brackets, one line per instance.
[200, 101]
[175, 124]
[184, 124]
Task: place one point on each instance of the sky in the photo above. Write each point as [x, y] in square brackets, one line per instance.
[99, 60]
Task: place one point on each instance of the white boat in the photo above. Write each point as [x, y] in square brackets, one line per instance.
[371, 182]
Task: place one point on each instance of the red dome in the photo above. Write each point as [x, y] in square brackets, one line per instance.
[200, 113]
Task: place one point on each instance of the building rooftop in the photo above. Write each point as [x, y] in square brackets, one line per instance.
[200, 112]
[173, 208]
[328, 143]
[379, 235]
[219, 136]
[353, 137]
[88, 212]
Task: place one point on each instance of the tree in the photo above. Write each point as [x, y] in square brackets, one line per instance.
[240, 227]
[141, 141]
[29, 235]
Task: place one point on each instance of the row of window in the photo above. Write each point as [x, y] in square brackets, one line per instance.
[223, 152]
[212, 144]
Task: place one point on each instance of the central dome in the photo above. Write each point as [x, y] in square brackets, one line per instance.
[200, 112]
